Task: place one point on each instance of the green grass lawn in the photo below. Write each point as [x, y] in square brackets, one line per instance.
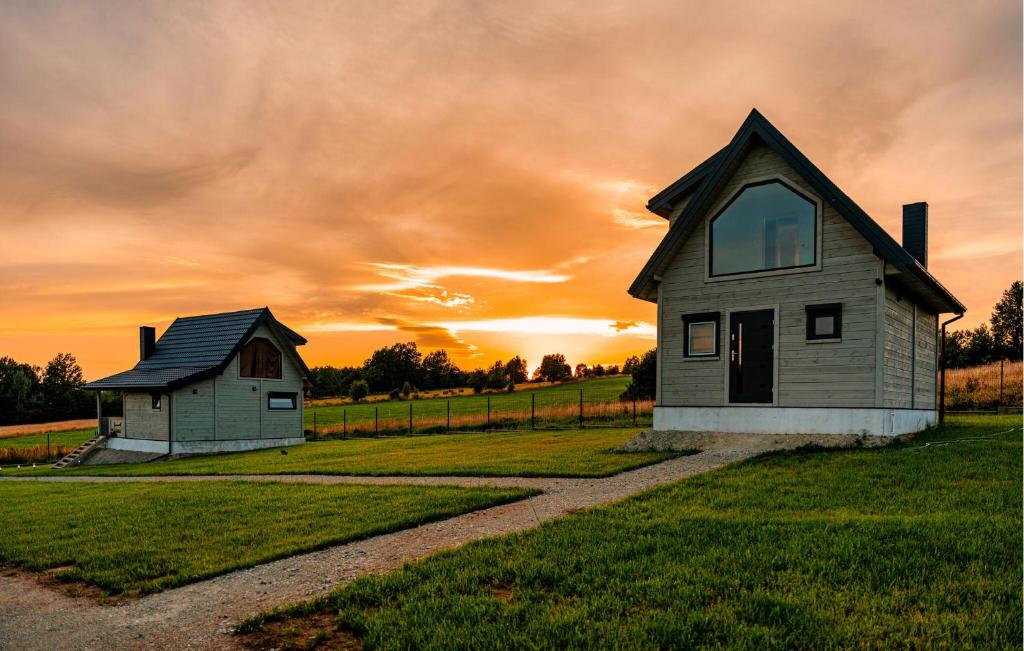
[72, 438]
[145, 537]
[894, 547]
[554, 405]
[580, 453]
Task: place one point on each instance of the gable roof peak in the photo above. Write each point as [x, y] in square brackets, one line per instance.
[704, 181]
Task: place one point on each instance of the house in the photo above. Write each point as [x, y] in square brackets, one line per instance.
[212, 383]
[783, 307]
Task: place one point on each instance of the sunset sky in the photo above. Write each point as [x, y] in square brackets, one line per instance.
[469, 176]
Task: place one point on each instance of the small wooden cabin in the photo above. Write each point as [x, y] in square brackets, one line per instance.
[783, 307]
[212, 383]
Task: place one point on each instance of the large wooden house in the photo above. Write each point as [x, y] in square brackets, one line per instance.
[783, 307]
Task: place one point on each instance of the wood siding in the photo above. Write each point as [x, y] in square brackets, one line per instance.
[840, 374]
[926, 365]
[141, 421]
[241, 403]
[899, 342]
[911, 363]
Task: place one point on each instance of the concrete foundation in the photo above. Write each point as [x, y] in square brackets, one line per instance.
[199, 447]
[794, 420]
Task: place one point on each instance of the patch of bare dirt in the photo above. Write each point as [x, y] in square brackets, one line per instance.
[319, 631]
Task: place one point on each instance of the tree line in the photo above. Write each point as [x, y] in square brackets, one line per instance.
[401, 370]
[30, 394]
[998, 339]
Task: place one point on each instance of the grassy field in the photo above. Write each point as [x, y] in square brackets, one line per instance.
[73, 438]
[32, 448]
[586, 453]
[553, 405]
[145, 537]
[895, 547]
[977, 387]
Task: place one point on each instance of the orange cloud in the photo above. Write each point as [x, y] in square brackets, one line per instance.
[482, 185]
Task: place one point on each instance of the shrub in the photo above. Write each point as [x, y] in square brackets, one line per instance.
[359, 390]
[393, 394]
[406, 389]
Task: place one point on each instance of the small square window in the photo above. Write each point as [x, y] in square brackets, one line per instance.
[156, 401]
[701, 332]
[825, 321]
[281, 401]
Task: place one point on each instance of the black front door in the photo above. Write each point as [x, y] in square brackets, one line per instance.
[751, 356]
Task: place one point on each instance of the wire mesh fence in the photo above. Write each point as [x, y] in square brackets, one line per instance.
[570, 409]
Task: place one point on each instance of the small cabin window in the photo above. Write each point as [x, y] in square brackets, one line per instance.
[767, 226]
[282, 401]
[701, 332]
[155, 397]
[260, 359]
[825, 321]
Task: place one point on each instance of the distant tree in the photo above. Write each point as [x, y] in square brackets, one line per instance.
[330, 381]
[645, 373]
[19, 392]
[496, 376]
[597, 370]
[393, 365]
[581, 371]
[406, 390]
[980, 346]
[553, 368]
[1008, 322]
[439, 372]
[613, 370]
[477, 380]
[359, 390]
[61, 389]
[631, 363]
[516, 370]
[955, 355]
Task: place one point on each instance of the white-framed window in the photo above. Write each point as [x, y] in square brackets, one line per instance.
[279, 400]
[701, 332]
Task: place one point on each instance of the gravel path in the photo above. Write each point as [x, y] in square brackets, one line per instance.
[199, 616]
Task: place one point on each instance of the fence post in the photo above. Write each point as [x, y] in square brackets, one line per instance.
[314, 425]
[533, 411]
[634, 411]
[47, 446]
[581, 408]
[488, 412]
[1000, 385]
[375, 421]
[344, 423]
[448, 428]
[410, 418]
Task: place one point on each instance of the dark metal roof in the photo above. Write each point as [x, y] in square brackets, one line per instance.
[196, 347]
[662, 203]
[707, 182]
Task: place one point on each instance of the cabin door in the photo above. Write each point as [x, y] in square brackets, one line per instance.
[752, 356]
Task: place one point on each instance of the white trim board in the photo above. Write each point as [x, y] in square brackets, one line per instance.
[794, 420]
[199, 447]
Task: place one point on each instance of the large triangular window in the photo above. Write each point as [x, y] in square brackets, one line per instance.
[260, 358]
[765, 226]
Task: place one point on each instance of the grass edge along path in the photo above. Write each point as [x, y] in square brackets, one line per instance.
[583, 453]
[896, 546]
[137, 538]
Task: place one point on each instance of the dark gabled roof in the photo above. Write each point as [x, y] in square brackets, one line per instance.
[662, 203]
[197, 347]
[706, 179]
